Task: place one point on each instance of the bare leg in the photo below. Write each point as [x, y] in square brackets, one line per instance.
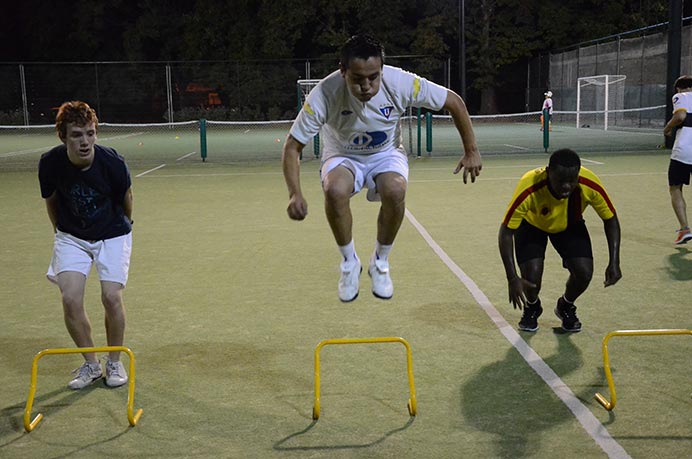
[392, 190]
[112, 298]
[532, 271]
[679, 205]
[72, 285]
[338, 187]
[580, 274]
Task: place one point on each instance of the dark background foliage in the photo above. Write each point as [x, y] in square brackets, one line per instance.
[500, 35]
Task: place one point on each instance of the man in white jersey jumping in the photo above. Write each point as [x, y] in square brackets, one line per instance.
[680, 166]
[357, 111]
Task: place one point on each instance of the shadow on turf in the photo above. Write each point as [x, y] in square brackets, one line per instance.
[508, 399]
[280, 445]
[679, 265]
[12, 417]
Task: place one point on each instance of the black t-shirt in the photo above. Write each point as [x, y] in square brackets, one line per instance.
[90, 201]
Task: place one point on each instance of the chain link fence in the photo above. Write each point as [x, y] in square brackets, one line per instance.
[640, 55]
[154, 92]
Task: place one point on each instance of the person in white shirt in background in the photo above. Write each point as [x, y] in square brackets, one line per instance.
[680, 166]
[548, 104]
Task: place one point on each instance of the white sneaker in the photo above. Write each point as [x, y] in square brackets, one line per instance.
[115, 373]
[85, 375]
[348, 283]
[382, 286]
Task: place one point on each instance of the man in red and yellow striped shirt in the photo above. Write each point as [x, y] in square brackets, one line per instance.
[548, 204]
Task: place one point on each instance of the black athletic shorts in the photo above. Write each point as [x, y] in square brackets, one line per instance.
[531, 242]
[679, 173]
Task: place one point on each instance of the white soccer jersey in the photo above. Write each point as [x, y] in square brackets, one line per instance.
[682, 148]
[349, 126]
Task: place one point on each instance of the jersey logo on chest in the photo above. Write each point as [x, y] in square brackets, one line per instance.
[368, 140]
[386, 111]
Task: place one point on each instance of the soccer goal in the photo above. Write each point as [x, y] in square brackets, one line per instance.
[600, 101]
[303, 89]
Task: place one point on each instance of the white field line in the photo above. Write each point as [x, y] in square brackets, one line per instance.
[454, 179]
[150, 170]
[122, 136]
[9, 154]
[589, 422]
[185, 156]
[220, 174]
[591, 161]
[494, 179]
[516, 146]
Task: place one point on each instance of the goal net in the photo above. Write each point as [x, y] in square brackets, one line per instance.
[600, 101]
[303, 89]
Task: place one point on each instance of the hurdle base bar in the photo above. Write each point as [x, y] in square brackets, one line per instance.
[411, 405]
[132, 417]
[610, 404]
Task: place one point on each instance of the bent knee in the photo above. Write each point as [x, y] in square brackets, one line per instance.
[72, 301]
[582, 273]
[335, 192]
[112, 299]
[392, 188]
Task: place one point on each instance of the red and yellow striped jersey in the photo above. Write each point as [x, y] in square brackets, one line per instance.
[533, 202]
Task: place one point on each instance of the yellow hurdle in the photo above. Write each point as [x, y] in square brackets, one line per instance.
[409, 365]
[609, 405]
[132, 417]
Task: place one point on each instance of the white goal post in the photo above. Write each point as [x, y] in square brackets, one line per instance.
[597, 97]
[303, 88]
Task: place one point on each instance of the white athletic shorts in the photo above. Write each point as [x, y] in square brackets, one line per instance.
[366, 167]
[111, 257]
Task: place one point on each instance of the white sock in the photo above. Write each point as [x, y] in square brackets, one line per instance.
[381, 251]
[348, 251]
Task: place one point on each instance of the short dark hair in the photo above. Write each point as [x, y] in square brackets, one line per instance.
[362, 46]
[683, 82]
[566, 158]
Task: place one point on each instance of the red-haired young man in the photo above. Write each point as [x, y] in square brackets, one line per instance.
[88, 195]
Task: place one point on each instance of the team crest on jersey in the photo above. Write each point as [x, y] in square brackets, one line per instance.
[361, 141]
[386, 111]
[545, 210]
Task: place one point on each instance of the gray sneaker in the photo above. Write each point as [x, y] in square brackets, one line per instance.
[115, 373]
[85, 375]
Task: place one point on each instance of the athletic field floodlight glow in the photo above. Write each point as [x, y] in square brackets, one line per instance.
[609, 405]
[132, 417]
[409, 365]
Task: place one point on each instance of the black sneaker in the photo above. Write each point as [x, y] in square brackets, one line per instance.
[529, 320]
[568, 314]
